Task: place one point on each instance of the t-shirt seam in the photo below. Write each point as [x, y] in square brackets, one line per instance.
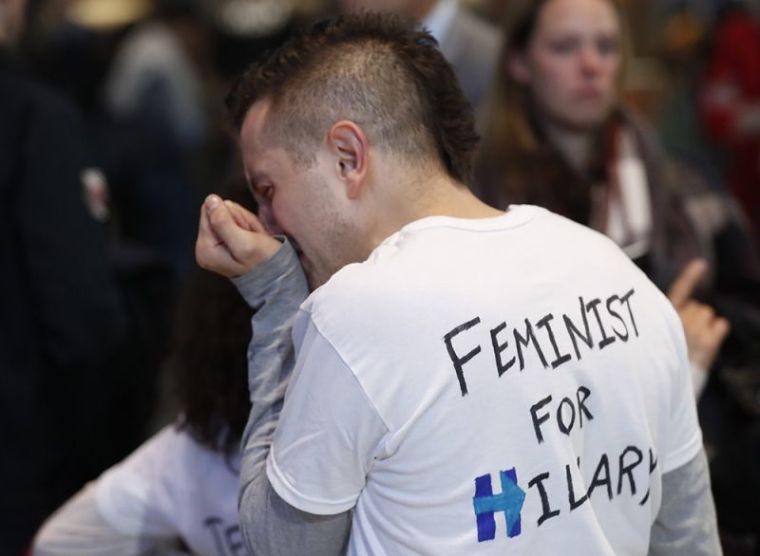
[684, 454]
[349, 367]
[273, 469]
[448, 225]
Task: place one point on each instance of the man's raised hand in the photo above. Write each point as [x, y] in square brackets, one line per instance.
[231, 240]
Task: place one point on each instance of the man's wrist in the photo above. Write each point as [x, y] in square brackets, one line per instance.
[254, 283]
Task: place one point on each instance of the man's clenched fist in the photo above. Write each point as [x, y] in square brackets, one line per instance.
[231, 240]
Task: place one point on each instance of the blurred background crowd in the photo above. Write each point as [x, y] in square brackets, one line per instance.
[113, 130]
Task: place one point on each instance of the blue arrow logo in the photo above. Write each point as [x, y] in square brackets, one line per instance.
[486, 504]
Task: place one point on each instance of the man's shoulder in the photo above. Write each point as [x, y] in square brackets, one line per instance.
[412, 264]
[562, 233]
[355, 286]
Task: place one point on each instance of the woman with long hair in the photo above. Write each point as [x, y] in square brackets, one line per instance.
[558, 135]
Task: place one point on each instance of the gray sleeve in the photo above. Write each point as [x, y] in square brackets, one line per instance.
[78, 529]
[275, 290]
[686, 523]
[274, 527]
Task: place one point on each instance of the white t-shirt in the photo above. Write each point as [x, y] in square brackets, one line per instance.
[549, 450]
[172, 487]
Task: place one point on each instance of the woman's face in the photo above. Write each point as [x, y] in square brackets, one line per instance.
[572, 63]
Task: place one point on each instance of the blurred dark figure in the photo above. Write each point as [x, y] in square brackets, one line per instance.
[154, 98]
[683, 52]
[177, 493]
[146, 105]
[149, 76]
[62, 312]
[241, 32]
[731, 102]
[150, 127]
[70, 44]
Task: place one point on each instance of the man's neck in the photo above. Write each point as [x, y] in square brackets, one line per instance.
[436, 194]
[451, 198]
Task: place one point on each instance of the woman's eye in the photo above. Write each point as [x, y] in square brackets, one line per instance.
[608, 46]
[563, 46]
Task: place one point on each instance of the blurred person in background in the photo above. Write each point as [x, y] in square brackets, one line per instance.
[241, 31]
[730, 99]
[155, 96]
[63, 314]
[682, 50]
[69, 44]
[143, 92]
[178, 493]
[145, 74]
[560, 137]
[469, 43]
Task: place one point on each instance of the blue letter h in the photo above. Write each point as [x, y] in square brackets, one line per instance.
[510, 501]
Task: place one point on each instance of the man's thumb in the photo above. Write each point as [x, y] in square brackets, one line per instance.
[224, 226]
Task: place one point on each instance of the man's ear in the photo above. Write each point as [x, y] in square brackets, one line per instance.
[350, 149]
[517, 69]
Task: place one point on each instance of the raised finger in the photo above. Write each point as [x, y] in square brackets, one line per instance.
[205, 231]
[720, 329]
[245, 218]
[236, 238]
[684, 285]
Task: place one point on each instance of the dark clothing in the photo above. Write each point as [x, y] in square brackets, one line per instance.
[542, 177]
[61, 311]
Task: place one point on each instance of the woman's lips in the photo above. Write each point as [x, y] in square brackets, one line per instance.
[589, 93]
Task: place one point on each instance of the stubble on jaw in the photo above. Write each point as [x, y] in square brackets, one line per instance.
[339, 239]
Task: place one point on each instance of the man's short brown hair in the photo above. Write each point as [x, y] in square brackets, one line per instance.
[380, 71]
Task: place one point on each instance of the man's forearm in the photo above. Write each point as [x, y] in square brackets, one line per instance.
[272, 527]
[275, 290]
[269, 524]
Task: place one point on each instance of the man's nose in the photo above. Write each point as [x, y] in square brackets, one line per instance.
[266, 215]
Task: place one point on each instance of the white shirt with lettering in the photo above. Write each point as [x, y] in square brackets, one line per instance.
[511, 385]
[172, 487]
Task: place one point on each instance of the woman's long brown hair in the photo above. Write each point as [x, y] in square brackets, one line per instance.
[516, 163]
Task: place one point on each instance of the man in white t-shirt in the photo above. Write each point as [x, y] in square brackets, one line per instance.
[467, 381]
